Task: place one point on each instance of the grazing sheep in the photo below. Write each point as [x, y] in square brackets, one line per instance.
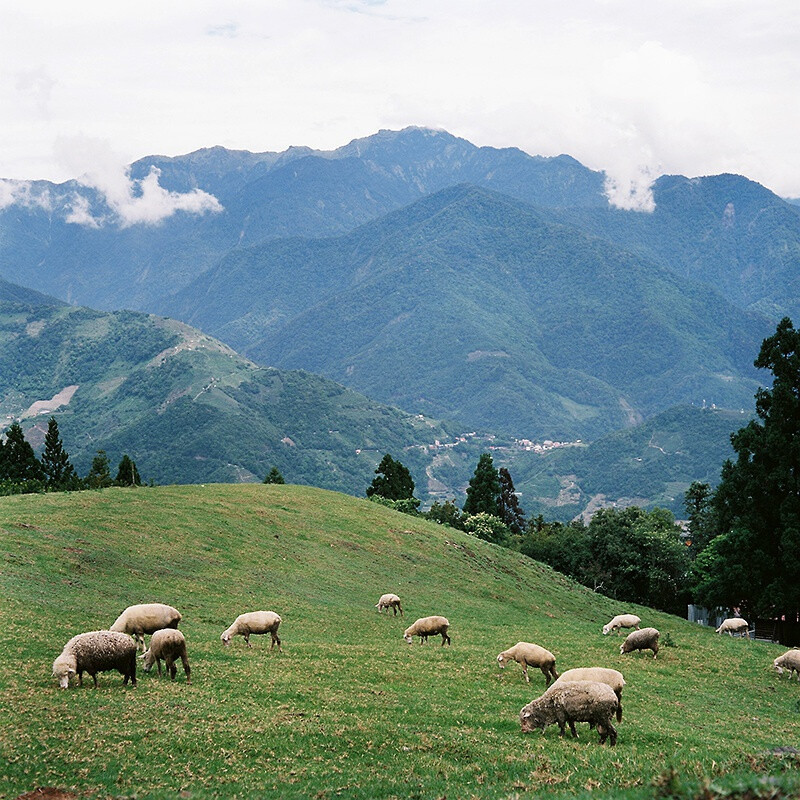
[735, 625]
[568, 703]
[170, 645]
[428, 626]
[530, 655]
[789, 661]
[644, 639]
[93, 652]
[621, 621]
[389, 601]
[610, 677]
[146, 618]
[257, 623]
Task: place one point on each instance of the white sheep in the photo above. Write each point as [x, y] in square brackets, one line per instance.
[611, 677]
[527, 655]
[568, 703]
[735, 625]
[146, 618]
[789, 661]
[170, 645]
[644, 639]
[93, 652]
[255, 623]
[428, 626]
[389, 601]
[621, 621]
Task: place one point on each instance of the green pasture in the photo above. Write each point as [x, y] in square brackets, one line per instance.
[348, 709]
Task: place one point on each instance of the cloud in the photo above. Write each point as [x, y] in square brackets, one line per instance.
[131, 201]
[25, 194]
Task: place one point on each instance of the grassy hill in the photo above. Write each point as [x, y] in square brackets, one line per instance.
[348, 709]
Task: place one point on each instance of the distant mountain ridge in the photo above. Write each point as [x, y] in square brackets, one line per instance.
[185, 406]
[475, 307]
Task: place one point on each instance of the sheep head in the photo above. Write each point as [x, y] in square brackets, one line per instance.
[530, 719]
[501, 661]
[64, 669]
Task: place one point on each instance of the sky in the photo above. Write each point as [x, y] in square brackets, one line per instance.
[637, 88]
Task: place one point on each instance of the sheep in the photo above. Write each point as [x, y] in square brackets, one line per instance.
[170, 645]
[735, 625]
[571, 702]
[389, 601]
[621, 621]
[146, 618]
[530, 655]
[610, 677]
[428, 626]
[789, 661]
[93, 652]
[254, 622]
[644, 639]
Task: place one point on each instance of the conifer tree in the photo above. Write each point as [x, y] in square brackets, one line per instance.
[99, 476]
[274, 476]
[754, 561]
[483, 491]
[59, 473]
[127, 474]
[393, 481]
[19, 463]
[508, 508]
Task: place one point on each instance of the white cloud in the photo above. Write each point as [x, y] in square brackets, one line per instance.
[131, 201]
[24, 193]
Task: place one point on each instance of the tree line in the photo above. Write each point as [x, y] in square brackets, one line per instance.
[741, 548]
[22, 472]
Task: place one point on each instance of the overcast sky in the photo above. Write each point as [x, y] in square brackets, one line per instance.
[633, 87]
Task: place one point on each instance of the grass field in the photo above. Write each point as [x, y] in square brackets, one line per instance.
[348, 709]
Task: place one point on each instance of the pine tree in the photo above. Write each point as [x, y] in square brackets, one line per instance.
[483, 491]
[755, 560]
[19, 463]
[393, 481]
[508, 505]
[99, 476]
[274, 476]
[59, 473]
[127, 474]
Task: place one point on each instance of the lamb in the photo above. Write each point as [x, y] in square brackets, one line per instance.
[621, 621]
[389, 601]
[571, 702]
[170, 645]
[146, 618]
[610, 677]
[428, 626]
[254, 622]
[789, 661]
[644, 639]
[735, 625]
[530, 655]
[93, 652]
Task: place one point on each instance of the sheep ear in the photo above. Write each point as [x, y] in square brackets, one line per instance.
[70, 671]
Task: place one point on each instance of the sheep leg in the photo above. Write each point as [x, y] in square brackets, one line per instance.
[619, 707]
[80, 678]
[186, 670]
[94, 676]
[546, 673]
[572, 729]
[247, 639]
[445, 639]
[275, 640]
[158, 664]
[173, 670]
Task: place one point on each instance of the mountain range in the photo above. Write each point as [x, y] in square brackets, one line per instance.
[484, 286]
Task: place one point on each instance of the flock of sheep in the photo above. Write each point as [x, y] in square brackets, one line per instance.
[586, 694]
